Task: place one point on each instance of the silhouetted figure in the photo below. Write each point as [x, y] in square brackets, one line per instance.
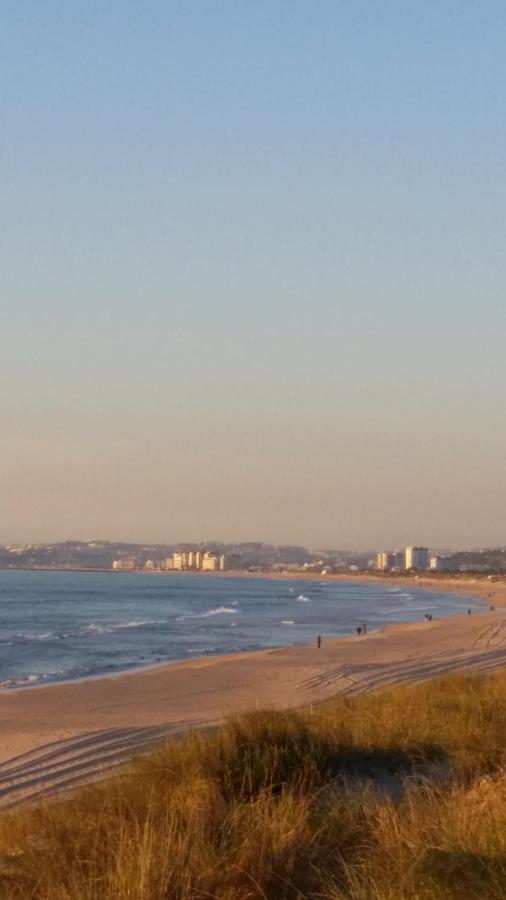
[468, 612]
[359, 630]
[364, 628]
[319, 641]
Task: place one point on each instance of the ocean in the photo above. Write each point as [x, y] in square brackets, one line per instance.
[60, 626]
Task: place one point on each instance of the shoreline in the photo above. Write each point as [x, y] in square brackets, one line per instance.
[6, 688]
[68, 733]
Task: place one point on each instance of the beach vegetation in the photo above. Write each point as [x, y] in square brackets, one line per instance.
[398, 794]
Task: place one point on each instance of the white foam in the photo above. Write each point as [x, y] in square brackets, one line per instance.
[220, 610]
[302, 599]
[287, 621]
[419, 608]
[42, 636]
[93, 628]
[25, 680]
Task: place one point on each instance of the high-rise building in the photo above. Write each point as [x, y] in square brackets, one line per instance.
[398, 559]
[383, 561]
[209, 562]
[388, 561]
[438, 563]
[179, 561]
[417, 558]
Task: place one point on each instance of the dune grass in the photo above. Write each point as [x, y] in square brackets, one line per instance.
[385, 796]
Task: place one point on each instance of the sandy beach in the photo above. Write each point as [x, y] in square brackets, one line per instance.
[55, 737]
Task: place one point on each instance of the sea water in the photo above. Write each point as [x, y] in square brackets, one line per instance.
[58, 626]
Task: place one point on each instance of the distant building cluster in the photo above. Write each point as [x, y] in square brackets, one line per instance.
[248, 556]
[182, 561]
[410, 559]
[126, 565]
[388, 561]
[197, 561]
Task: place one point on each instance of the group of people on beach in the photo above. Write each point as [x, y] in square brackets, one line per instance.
[361, 630]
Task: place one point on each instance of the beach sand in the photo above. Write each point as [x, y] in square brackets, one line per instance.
[55, 737]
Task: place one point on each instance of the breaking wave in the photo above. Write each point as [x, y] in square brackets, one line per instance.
[93, 628]
[218, 611]
[37, 636]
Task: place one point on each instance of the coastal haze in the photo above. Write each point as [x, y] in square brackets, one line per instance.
[253, 269]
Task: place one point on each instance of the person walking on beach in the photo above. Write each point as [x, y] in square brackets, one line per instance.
[319, 641]
[364, 628]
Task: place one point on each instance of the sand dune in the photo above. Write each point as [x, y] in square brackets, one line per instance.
[55, 737]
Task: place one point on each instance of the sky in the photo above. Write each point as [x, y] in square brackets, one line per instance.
[252, 271]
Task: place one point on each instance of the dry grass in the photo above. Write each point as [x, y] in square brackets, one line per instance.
[286, 805]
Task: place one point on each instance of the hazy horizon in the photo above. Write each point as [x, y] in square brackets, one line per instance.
[253, 272]
[214, 541]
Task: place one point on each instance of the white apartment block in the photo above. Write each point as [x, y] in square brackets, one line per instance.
[178, 561]
[209, 562]
[382, 561]
[196, 560]
[417, 558]
[123, 564]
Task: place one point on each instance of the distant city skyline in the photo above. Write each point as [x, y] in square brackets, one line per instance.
[253, 556]
[253, 272]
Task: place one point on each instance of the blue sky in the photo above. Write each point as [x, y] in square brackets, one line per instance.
[252, 271]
